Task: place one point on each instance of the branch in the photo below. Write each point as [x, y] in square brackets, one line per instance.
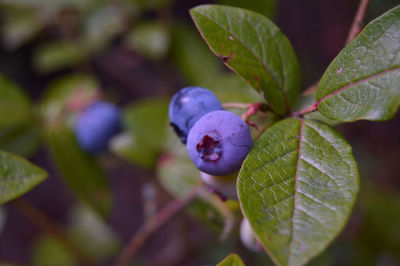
[358, 19]
[43, 222]
[150, 226]
[308, 109]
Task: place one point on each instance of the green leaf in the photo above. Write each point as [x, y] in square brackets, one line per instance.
[19, 26]
[145, 122]
[265, 7]
[187, 51]
[15, 106]
[75, 87]
[151, 39]
[17, 176]
[56, 55]
[253, 47]
[362, 82]
[22, 140]
[297, 187]
[79, 170]
[232, 260]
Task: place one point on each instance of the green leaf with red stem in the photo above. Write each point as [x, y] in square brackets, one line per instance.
[253, 47]
[363, 81]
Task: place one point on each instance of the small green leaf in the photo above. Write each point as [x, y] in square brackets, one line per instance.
[56, 55]
[297, 187]
[187, 51]
[79, 170]
[19, 25]
[15, 106]
[17, 176]
[362, 82]
[151, 39]
[22, 140]
[64, 90]
[232, 260]
[143, 141]
[253, 47]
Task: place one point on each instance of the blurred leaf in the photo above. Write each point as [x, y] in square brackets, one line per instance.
[178, 175]
[362, 82]
[19, 26]
[253, 47]
[49, 251]
[92, 233]
[379, 231]
[297, 187]
[192, 56]
[17, 176]
[264, 7]
[22, 140]
[79, 170]
[231, 260]
[150, 39]
[14, 104]
[145, 122]
[101, 26]
[57, 55]
[229, 87]
[63, 91]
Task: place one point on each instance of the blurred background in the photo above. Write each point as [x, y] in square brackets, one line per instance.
[137, 53]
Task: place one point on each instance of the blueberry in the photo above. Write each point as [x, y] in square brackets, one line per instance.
[187, 106]
[219, 142]
[96, 125]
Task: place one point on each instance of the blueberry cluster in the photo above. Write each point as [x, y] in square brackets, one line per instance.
[96, 125]
[217, 141]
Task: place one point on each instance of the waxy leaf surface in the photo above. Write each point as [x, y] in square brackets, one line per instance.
[17, 176]
[297, 187]
[363, 81]
[253, 47]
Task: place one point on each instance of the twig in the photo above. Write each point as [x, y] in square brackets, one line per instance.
[236, 105]
[308, 109]
[358, 19]
[43, 222]
[150, 226]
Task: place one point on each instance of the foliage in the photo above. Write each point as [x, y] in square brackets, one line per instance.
[298, 184]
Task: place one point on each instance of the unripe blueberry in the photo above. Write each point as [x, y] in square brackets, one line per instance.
[96, 125]
[219, 142]
[247, 236]
[226, 185]
[187, 106]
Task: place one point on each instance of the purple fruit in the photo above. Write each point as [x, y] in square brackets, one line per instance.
[219, 142]
[96, 125]
[187, 106]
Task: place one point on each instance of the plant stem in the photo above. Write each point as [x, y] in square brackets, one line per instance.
[236, 105]
[308, 109]
[150, 226]
[42, 221]
[358, 19]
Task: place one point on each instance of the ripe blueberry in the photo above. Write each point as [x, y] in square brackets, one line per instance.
[96, 125]
[219, 142]
[187, 106]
